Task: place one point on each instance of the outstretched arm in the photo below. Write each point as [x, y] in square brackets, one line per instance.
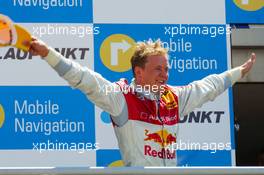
[100, 91]
[199, 92]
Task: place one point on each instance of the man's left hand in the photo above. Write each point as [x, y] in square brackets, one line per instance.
[247, 66]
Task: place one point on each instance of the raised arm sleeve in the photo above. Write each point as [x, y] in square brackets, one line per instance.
[100, 91]
[199, 92]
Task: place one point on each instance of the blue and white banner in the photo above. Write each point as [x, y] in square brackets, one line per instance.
[195, 52]
[44, 122]
[48, 11]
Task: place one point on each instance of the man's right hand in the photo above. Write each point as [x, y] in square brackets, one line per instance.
[38, 47]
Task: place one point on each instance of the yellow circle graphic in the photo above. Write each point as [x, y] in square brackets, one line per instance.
[2, 115]
[117, 163]
[249, 5]
[116, 52]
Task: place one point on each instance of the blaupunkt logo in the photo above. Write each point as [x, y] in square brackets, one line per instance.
[2, 115]
[249, 5]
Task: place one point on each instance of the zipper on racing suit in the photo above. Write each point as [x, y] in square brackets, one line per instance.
[162, 135]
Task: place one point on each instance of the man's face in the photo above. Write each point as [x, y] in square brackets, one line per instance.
[154, 73]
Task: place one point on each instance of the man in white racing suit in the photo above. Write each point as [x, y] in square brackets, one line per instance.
[145, 114]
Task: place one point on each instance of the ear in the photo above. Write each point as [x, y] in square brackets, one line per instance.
[138, 72]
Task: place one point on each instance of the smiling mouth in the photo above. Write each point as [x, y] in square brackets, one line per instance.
[161, 82]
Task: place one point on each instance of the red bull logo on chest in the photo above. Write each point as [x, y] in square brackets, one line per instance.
[164, 139]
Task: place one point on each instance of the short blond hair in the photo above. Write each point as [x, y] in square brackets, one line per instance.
[145, 49]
